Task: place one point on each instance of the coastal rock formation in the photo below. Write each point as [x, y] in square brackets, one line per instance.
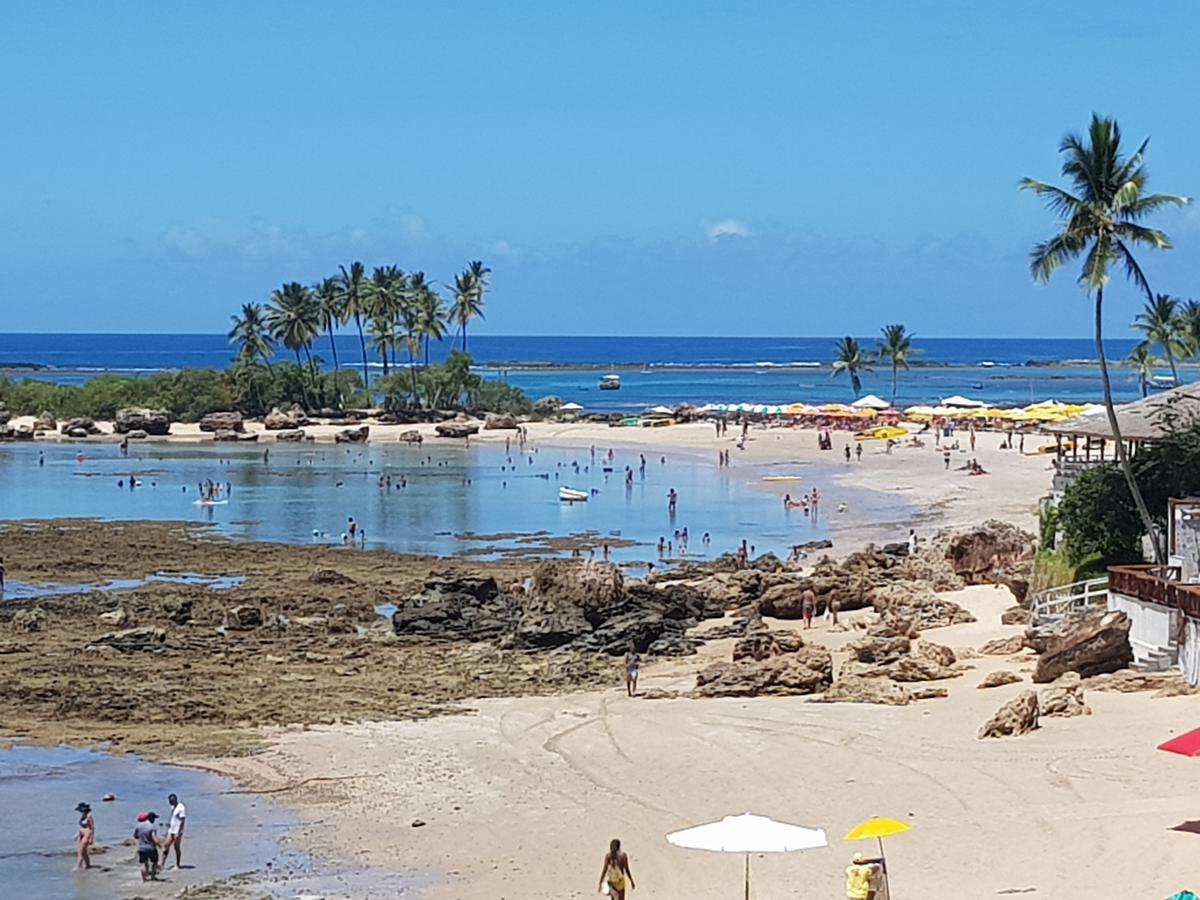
[456, 429]
[222, 421]
[243, 618]
[130, 640]
[1016, 717]
[857, 689]
[277, 420]
[28, 620]
[79, 423]
[807, 671]
[178, 609]
[77, 432]
[226, 434]
[291, 436]
[412, 436]
[879, 650]
[498, 421]
[151, 421]
[908, 667]
[357, 435]
[1003, 646]
[548, 404]
[730, 590]
[1164, 684]
[137, 435]
[115, 617]
[332, 576]
[1015, 615]
[975, 555]
[1089, 646]
[1064, 699]
[25, 433]
[452, 607]
[937, 653]
[999, 678]
[765, 644]
[45, 422]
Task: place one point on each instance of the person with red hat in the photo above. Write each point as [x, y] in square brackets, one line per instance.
[148, 843]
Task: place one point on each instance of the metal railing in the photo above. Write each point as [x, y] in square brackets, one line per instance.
[1057, 603]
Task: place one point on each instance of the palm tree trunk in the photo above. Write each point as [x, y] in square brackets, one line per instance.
[362, 343]
[1171, 363]
[303, 388]
[894, 382]
[1122, 456]
[312, 374]
[333, 347]
[426, 351]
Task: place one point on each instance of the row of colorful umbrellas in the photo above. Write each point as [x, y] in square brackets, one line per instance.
[749, 833]
[950, 408]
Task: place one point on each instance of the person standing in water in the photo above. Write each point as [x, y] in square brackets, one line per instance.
[85, 837]
[175, 831]
[616, 872]
[147, 844]
[672, 498]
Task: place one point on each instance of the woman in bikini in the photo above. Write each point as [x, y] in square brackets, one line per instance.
[616, 871]
[85, 838]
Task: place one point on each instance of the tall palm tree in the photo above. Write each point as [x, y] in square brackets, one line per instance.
[468, 296]
[329, 296]
[1160, 324]
[383, 339]
[1188, 330]
[294, 318]
[896, 347]
[1143, 363]
[431, 311]
[410, 320]
[250, 332]
[352, 284]
[1101, 220]
[385, 294]
[850, 358]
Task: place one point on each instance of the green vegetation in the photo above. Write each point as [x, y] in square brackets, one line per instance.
[897, 348]
[1102, 221]
[452, 386]
[1160, 324]
[850, 358]
[1143, 363]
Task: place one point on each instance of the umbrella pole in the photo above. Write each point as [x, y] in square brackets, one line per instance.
[747, 876]
[887, 879]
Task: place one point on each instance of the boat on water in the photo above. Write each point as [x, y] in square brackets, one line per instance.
[610, 382]
[987, 364]
[570, 495]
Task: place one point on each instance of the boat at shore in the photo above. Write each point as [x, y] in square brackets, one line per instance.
[611, 382]
[570, 495]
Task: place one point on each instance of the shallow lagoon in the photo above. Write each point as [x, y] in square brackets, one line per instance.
[455, 499]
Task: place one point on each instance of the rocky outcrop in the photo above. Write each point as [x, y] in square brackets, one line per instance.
[130, 640]
[452, 607]
[1003, 646]
[45, 422]
[152, 421]
[766, 644]
[292, 436]
[356, 435]
[1015, 615]
[1016, 717]
[976, 555]
[500, 421]
[243, 618]
[79, 424]
[456, 429]
[321, 575]
[1089, 646]
[937, 653]
[879, 650]
[547, 405]
[137, 435]
[807, 671]
[857, 689]
[222, 421]
[412, 436]
[26, 433]
[114, 617]
[178, 609]
[277, 420]
[999, 678]
[1064, 699]
[29, 620]
[228, 435]
[1163, 684]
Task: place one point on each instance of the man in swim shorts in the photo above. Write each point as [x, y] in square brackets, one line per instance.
[147, 844]
[175, 831]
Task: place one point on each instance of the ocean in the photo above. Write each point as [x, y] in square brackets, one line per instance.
[655, 370]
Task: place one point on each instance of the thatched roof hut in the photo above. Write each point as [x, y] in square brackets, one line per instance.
[1143, 420]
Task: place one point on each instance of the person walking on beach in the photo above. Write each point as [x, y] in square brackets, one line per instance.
[847, 453]
[175, 831]
[858, 452]
[672, 497]
[615, 872]
[85, 837]
[808, 604]
[147, 844]
[631, 670]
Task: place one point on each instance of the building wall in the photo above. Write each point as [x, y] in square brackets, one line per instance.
[1152, 626]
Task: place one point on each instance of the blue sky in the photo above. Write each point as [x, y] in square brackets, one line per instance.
[624, 167]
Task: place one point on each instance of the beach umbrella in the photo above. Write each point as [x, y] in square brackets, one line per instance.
[919, 411]
[660, 411]
[871, 402]
[1185, 745]
[570, 407]
[878, 828]
[962, 402]
[748, 834]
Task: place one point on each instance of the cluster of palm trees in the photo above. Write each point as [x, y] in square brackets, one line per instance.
[895, 346]
[1171, 324]
[392, 310]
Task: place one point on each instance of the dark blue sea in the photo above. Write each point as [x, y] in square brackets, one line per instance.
[655, 370]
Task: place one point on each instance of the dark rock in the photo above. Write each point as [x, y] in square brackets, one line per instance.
[225, 434]
[1090, 646]
[765, 644]
[79, 422]
[178, 609]
[976, 555]
[1015, 615]
[78, 432]
[291, 436]
[222, 421]
[498, 421]
[412, 436]
[45, 422]
[456, 429]
[243, 618]
[1003, 646]
[131, 640]
[29, 620]
[25, 433]
[5, 416]
[356, 435]
[330, 576]
[879, 650]
[151, 421]
[248, 437]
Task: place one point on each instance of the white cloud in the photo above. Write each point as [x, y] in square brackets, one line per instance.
[714, 231]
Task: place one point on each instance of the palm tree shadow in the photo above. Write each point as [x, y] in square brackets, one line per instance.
[1191, 826]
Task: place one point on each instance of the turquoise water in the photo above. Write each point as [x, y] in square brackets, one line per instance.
[306, 495]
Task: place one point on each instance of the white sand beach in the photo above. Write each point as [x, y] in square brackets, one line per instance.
[520, 799]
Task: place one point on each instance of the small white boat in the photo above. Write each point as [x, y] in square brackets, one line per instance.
[610, 383]
[569, 495]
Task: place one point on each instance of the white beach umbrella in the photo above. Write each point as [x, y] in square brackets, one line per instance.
[748, 834]
[871, 402]
[660, 411]
[571, 407]
[963, 402]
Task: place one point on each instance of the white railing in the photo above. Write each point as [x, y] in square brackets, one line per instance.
[1055, 604]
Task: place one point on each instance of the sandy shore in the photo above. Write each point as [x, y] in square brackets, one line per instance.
[520, 799]
[908, 488]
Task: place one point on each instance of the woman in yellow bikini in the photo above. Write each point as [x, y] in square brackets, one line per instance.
[616, 871]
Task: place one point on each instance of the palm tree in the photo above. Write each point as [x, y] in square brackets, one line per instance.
[295, 320]
[250, 333]
[1101, 220]
[354, 305]
[329, 296]
[410, 318]
[385, 294]
[1143, 363]
[1159, 322]
[468, 296]
[1188, 329]
[896, 346]
[383, 339]
[431, 311]
[850, 358]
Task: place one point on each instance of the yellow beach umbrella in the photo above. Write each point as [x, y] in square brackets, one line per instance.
[878, 828]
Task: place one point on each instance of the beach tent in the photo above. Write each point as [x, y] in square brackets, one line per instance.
[871, 402]
[748, 834]
[570, 407]
[960, 402]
